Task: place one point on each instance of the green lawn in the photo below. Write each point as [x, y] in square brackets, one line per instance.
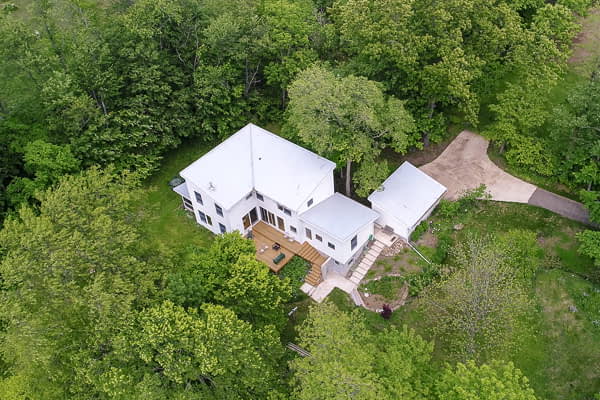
[168, 225]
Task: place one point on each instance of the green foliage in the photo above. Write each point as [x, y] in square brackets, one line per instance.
[494, 381]
[387, 287]
[522, 254]
[450, 209]
[228, 273]
[369, 176]
[72, 275]
[419, 231]
[590, 245]
[172, 352]
[347, 117]
[443, 248]
[349, 361]
[477, 311]
[295, 270]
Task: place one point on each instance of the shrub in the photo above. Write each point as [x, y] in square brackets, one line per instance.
[443, 248]
[295, 271]
[419, 231]
[450, 209]
[386, 313]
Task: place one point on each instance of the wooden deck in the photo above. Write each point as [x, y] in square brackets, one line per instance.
[265, 236]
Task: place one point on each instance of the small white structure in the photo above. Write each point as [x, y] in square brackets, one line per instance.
[406, 198]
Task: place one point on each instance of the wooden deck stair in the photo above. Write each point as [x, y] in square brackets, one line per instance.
[313, 256]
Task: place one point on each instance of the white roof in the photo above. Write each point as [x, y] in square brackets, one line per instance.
[407, 194]
[339, 216]
[256, 158]
[181, 189]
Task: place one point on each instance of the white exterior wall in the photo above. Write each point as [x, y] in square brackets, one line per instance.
[271, 205]
[208, 208]
[384, 219]
[237, 211]
[342, 252]
[321, 192]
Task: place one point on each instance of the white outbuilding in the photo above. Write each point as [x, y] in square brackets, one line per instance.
[406, 198]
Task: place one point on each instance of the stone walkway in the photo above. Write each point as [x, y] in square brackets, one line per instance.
[465, 165]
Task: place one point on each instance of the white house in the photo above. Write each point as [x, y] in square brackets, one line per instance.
[406, 198]
[255, 175]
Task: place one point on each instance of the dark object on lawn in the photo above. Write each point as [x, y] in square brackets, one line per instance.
[278, 259]
[276, 246]
[387, 311]
[176, 181]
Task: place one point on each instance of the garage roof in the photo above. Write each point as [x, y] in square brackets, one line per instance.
[407, 194]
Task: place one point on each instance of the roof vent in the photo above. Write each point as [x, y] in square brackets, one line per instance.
[211, 187]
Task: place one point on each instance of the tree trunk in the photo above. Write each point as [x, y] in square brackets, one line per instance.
[348, 177]
[426, 133]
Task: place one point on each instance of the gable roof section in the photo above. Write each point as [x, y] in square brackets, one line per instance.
[254, 158]
[407, 194]
[339, 216]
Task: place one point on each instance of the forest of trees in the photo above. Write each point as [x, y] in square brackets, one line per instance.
[94, 93]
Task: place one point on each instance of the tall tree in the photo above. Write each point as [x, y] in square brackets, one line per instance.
[348, 361]
[477, 311]
[72, 274]
[347, 117]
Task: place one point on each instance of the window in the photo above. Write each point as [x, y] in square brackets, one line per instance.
[331, 245]
[222, 228]
[310, 202]
[198, 198]
[249, 195]
[208, 220]
[219, 210]
[293, 229]
[202, 216]
[353, 243]
[280, 207]
[263, 214]
[287, 211]
[319, 238]
[253, 215]
[187, 203]
[308, 233]
[260, 196]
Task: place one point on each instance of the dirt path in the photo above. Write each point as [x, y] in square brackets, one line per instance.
[586, 46]
[465, 165]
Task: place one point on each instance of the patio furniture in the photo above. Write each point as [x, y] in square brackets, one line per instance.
[278, 259]
[276, 246]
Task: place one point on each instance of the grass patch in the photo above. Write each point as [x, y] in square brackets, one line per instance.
[565, 347]
[387, 287]
[168, 225]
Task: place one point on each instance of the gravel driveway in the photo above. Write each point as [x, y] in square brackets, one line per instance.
[464, 165]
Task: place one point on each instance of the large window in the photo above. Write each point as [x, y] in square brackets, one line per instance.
[187, 203]
[308, 233]
[353, 243]
[219, 210]
[222, 228]
[250, 218]
[198, 198]
[253, 215]
[331, 245]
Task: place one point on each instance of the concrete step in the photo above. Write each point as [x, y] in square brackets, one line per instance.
[362, 270]
[355, 280]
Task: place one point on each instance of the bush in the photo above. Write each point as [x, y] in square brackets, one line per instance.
[450, 209]
[443, 248]
[295, 271]
[419, 231]
[419, 281]
[386, 313]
